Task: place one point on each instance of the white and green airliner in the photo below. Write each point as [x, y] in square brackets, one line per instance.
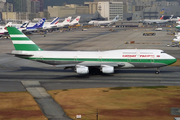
[84, 62]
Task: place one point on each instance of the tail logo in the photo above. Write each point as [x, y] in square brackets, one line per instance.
[161, 17]
[117, 18]
[68, 20]
[40, 22]
[6, 27]
[56, 22]
[77, 19]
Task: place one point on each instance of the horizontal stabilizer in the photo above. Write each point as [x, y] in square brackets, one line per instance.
[20, 53]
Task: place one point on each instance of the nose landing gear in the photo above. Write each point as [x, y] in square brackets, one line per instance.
[157, 71]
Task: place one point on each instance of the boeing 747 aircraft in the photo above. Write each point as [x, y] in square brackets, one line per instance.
[84, 62]
[99, 23]
[150, 21]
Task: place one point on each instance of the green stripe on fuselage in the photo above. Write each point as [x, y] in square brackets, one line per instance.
[27, 47]
[163, 61]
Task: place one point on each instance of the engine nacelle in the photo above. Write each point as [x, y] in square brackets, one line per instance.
[107, 69]
[82, 69]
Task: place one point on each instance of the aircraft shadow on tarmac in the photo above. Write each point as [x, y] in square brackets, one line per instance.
[54, 69]
[70, 74]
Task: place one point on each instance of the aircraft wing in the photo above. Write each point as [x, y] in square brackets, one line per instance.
[91, 64]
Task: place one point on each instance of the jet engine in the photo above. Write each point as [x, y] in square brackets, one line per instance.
[107, 69]
[81, 69]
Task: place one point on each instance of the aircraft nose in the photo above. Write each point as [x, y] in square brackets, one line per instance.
[173, 60]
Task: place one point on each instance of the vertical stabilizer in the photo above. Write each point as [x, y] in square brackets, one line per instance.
[67, 20]
[40, 23]
[76, 20]
[55, 21]
[162, 17]
[116, 18]
[25, 24]
[20, 41]
[9, 24]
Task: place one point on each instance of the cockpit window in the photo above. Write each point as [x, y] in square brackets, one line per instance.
[162, 52]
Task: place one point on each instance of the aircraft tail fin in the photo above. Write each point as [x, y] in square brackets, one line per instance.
[67, 20]
[178, 18]
[116, 18]
[8, 24]
[20, 41]
[40, 23]
[171, 17]
[76, 20]
[55, 21]
[25, 24]
[162, 17]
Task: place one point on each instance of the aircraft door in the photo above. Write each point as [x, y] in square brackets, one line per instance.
[100, 59]
[41, 58]
[75, 59]
[152, 59]
[137, 54]
[129, 59]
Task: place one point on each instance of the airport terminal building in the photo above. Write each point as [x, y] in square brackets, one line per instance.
[108, 9]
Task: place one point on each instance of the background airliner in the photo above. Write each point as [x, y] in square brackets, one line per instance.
[38, 25]
[150, 21]
[100, 23]
[84, 62]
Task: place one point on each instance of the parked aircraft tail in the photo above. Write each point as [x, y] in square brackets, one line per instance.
[76, 20]
[162, 17]
[171, 17]
[8, 24]
[40, 23]
[67, 20]
[55, 21]
[20, 41]
[116, 18]
[25, 24]
[178, 18]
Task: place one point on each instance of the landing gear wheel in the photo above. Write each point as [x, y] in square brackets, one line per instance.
[95, 71]
[157, 71]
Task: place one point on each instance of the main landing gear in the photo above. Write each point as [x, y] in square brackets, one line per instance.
[157, 71]
[95, 71]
